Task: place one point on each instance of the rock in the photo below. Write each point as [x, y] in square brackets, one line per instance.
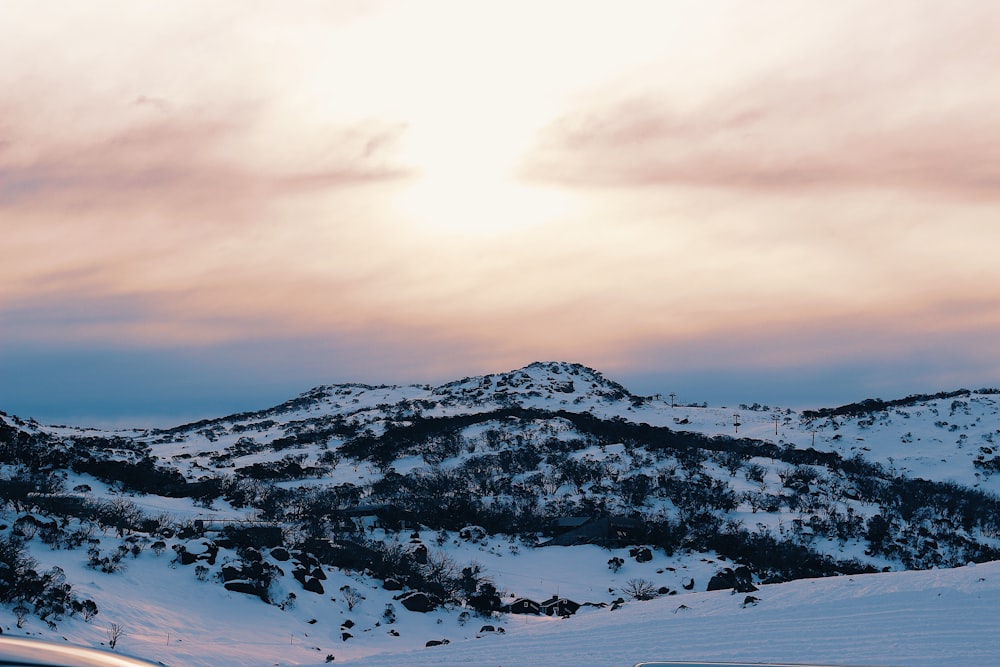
[436, 642]
[472, 533]
[252, 555]
[306, 560]
[280, 554]
[740, 580]
[420, 554]
[196, 547]
[392, 585]
[419, 601]
[313, 585]
[196, 550]
[247, 588]
[224, 542]
[688, 584]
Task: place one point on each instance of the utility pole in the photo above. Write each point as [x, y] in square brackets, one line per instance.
[776, 417]
[813, 431]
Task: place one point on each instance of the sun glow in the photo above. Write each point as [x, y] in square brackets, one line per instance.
[473, 205]
[466, 182]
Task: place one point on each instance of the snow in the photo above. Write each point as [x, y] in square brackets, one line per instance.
[175, 615]
[898, 618]
[912, 618]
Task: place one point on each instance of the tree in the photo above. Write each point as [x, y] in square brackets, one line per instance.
[472, 579]
[486, 600]
[441, 571]
[352, 597]
[86, 608]
[115, 633]
[20, 612]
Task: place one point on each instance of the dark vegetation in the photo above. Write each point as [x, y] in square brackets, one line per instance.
[870, 405]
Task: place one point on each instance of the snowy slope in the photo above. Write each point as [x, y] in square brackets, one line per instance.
[912, 618]
[557, 417]
[901, 618]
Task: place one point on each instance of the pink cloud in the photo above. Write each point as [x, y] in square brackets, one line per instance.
[175, 157]
[769, 146]
[902, 100]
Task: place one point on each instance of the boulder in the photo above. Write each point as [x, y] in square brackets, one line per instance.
[740, 580]
[252, 555]
[247, 588]
[419, 601]
[472, 533]
[313, 585]
[420, 554]
[306, 560]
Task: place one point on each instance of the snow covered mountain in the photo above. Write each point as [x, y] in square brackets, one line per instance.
[360, 520]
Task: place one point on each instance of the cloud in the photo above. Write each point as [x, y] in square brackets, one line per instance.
[770, 146]
[174, 156]
[163, 199]
[899, 101]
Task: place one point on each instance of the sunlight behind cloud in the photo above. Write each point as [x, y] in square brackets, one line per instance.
[468, 203]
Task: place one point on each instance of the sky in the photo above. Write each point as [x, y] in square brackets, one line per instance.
[211, 207]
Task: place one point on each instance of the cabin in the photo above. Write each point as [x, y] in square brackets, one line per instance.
[557, 606]
[377, 516]
[523, 606]
[244, 532]
[606, 531]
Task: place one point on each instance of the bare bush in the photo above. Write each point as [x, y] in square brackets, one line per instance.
[640, 589]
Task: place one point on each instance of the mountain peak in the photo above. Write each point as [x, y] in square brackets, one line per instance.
[538, 380]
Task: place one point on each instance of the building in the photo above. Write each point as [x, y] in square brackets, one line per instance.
[523, 606]
[606, 531]
[557, 606]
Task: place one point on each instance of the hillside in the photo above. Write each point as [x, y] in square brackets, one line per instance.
[357, 520]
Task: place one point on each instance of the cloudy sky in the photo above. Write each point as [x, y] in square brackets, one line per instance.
[212, 206]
